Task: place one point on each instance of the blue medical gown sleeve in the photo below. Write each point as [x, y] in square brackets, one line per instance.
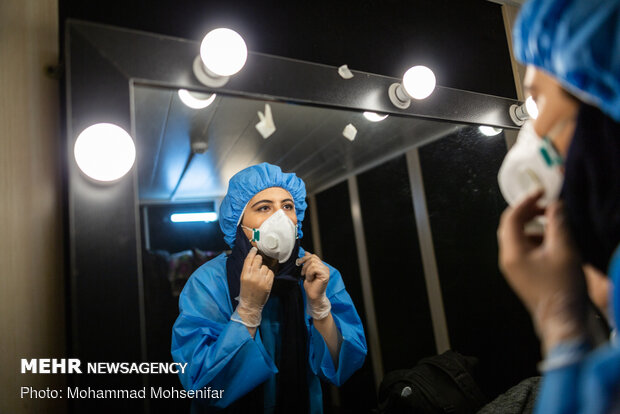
[220, 353]
[559, 391]
[600, 386]
[589, 385]
[353, 346]
[580, 381]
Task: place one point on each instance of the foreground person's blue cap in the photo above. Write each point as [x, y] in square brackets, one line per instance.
[576, 41]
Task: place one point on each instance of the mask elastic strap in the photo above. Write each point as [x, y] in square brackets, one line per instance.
[549, 153]
[255, 233]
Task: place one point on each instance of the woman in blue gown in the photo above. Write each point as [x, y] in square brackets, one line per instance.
[572, 49]
[266, 322]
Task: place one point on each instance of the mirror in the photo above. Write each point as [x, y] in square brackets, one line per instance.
[308, 140]
[407, 210]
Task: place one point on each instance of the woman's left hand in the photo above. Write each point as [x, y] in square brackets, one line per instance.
[318, 305]
[317, 276]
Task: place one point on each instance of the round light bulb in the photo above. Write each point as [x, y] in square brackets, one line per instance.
[374, 117]
[489, 131]
[223, 52]
[104, 152]
[196, 100]
[419, 82]
[531, 107]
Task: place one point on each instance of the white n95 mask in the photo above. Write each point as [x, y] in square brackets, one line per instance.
[276, 236]
[531, 164]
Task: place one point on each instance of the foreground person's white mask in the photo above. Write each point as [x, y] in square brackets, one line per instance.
[531, 164]
[276, 236]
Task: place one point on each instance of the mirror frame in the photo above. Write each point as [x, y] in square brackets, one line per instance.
[102, 65]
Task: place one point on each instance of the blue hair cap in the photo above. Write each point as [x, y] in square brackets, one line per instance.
[247, 183]
[577, 42]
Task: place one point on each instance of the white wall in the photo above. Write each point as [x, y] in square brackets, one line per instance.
[32, 314]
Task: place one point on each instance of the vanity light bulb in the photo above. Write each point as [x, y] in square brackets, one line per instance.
[196, 100]
[374, 117]
[104, 152]
[531, 107]
[419, 82]
[223, 52]
[489, 131]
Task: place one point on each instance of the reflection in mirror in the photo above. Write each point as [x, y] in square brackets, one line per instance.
[187, 155]
[308, 140]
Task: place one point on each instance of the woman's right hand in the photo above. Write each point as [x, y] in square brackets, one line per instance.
[256, 283]
[546, 274]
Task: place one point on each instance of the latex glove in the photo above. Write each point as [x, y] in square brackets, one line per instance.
[315, 285]
[544, 272]
[256, 283]
[599, 289]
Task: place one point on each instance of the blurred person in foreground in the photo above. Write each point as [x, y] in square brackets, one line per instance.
[572, 52]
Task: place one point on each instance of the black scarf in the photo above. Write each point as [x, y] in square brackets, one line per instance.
[292, 382]
[592, 186]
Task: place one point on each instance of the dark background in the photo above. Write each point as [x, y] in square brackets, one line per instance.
[174, 237]
[483, 316]
[463, 42]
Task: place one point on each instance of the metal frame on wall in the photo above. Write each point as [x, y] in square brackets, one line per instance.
[429, 262]
[374, 346]
[102, 65]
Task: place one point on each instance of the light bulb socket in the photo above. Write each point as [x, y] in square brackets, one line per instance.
[206, 77]
[198, 139]
[199, 145]
[398, 96]
[518, 114]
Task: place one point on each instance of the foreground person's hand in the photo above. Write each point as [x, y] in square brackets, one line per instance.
[545, 273]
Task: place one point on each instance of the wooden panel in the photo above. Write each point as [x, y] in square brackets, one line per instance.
[31, 278]
[509, 14]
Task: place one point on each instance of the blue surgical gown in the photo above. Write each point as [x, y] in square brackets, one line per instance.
[581, 380]
[222, 355]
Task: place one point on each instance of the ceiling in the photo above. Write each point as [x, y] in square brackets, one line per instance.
[308, 141]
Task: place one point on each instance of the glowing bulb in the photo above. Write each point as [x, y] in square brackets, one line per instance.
[374, 117]
[104, 152]
[419, 82]
[223, 52]
[489, 131]
[196, 100]
[531, 107]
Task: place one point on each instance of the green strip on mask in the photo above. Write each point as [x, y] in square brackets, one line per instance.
[546, 156]
[549, 154]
